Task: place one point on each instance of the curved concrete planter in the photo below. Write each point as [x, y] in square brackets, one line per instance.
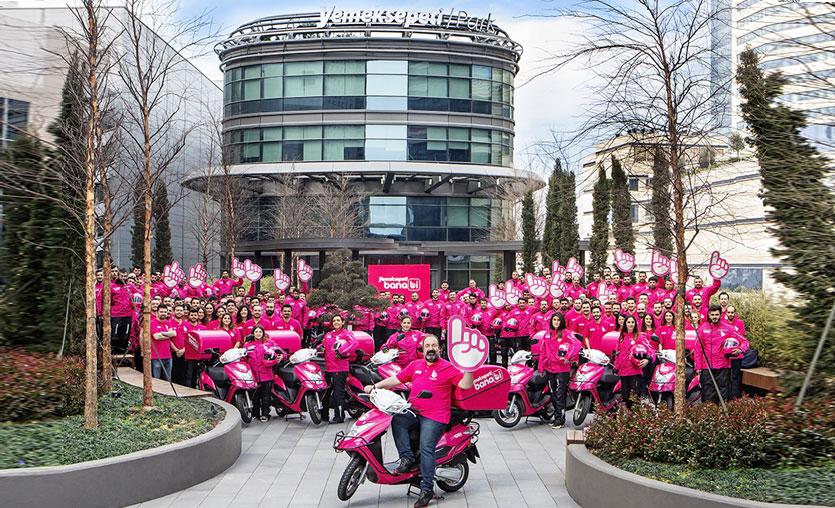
[594, 483]
[128, 479]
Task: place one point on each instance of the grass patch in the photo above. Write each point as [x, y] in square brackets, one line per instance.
[124, 427]
[801, 485]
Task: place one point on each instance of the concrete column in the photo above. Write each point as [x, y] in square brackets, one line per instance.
[288, 263]
[441, 267]
[509, 263]
[322, 256]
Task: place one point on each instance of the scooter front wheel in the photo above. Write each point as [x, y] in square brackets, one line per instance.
[351, 478]
[312, 408]
[582, 408]
[511, 415]
[243, 407]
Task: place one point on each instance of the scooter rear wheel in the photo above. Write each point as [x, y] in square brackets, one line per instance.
[582, 408]
[448, 486]
[351, 478]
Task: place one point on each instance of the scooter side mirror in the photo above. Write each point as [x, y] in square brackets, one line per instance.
[655, 338]
[425, 394]
[578, 336]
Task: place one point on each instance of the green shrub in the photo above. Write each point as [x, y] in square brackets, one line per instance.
[768, 330]
[756, 433]
[35, 386]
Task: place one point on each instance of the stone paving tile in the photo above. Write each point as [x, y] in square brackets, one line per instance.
[292, 464]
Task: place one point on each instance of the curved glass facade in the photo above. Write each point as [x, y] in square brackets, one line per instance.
[403, 218]
[370, 143]
[371, 85]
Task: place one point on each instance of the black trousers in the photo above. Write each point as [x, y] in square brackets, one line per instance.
[178, 369]
[191, 373]
[337, 391]
[379, 337]
[119, 334]
[494, 345]
[262, 399]
[506, 344]
[723, 379]
[629, 385]
[646, 378]
[736, 379]
[558, 384]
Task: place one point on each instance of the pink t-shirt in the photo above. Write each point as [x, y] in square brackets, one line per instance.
[439, 378]
[161, 349]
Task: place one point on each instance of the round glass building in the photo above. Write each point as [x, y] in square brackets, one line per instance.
[402, 118]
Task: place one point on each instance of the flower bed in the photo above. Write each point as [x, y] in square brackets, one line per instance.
[124, 427]
[762, 450]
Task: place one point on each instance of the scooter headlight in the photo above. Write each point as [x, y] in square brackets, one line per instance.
[663, 378]
[581, 377]
[356, 429]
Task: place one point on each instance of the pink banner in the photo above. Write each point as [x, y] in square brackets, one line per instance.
[401, 279]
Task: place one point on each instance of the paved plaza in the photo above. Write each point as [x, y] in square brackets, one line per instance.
[293, 464]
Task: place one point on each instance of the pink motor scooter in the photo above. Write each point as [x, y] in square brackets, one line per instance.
[456, 446]
[529, 393]
[231, 379]
[595, 380]
[382, 365]
[663, 383]
[299, 385]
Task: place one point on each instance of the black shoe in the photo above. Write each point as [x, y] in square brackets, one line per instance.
[426, 496]
[405, 466]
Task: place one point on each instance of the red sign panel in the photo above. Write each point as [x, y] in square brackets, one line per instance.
[401, 279]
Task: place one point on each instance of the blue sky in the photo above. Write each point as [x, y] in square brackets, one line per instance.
[550, 103]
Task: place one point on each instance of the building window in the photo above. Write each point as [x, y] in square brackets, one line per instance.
[749, 278]
[14, 115]
[377, 85]
[632, 184]
[633, 213]
[429, 218]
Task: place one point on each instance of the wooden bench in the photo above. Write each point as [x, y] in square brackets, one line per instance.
[575, 437]
[762, 378]
[122, 360]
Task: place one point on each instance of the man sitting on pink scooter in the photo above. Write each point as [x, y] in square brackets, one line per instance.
[439, 377]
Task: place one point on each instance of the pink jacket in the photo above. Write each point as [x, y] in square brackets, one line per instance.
[414, 311]
[522, 317]
[625, 363]
[407, 345]
[120, 298]
[436, 311]
[706, 292]
[555, 348]
[713, 338]
[737, 324]
[262, 366]
[540, 321]
[574, 291]
[332, 339]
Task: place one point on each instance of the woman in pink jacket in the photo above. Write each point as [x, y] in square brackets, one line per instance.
[633, 354]
[261, 358]
[339, 344]
[406, 340]
[666, 331]
[558, 349]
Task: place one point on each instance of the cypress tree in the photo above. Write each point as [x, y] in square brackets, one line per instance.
[137, 230]
[529, 239]
[662, 228]
[599, 242]
[799, 206]
[621, 203]
[63, 262]
[551, 232]
[569, 229]
[26, 218]
[162, 254]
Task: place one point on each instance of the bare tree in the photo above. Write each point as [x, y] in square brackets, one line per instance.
[155, 132]
[653, 64]
[337, 207]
